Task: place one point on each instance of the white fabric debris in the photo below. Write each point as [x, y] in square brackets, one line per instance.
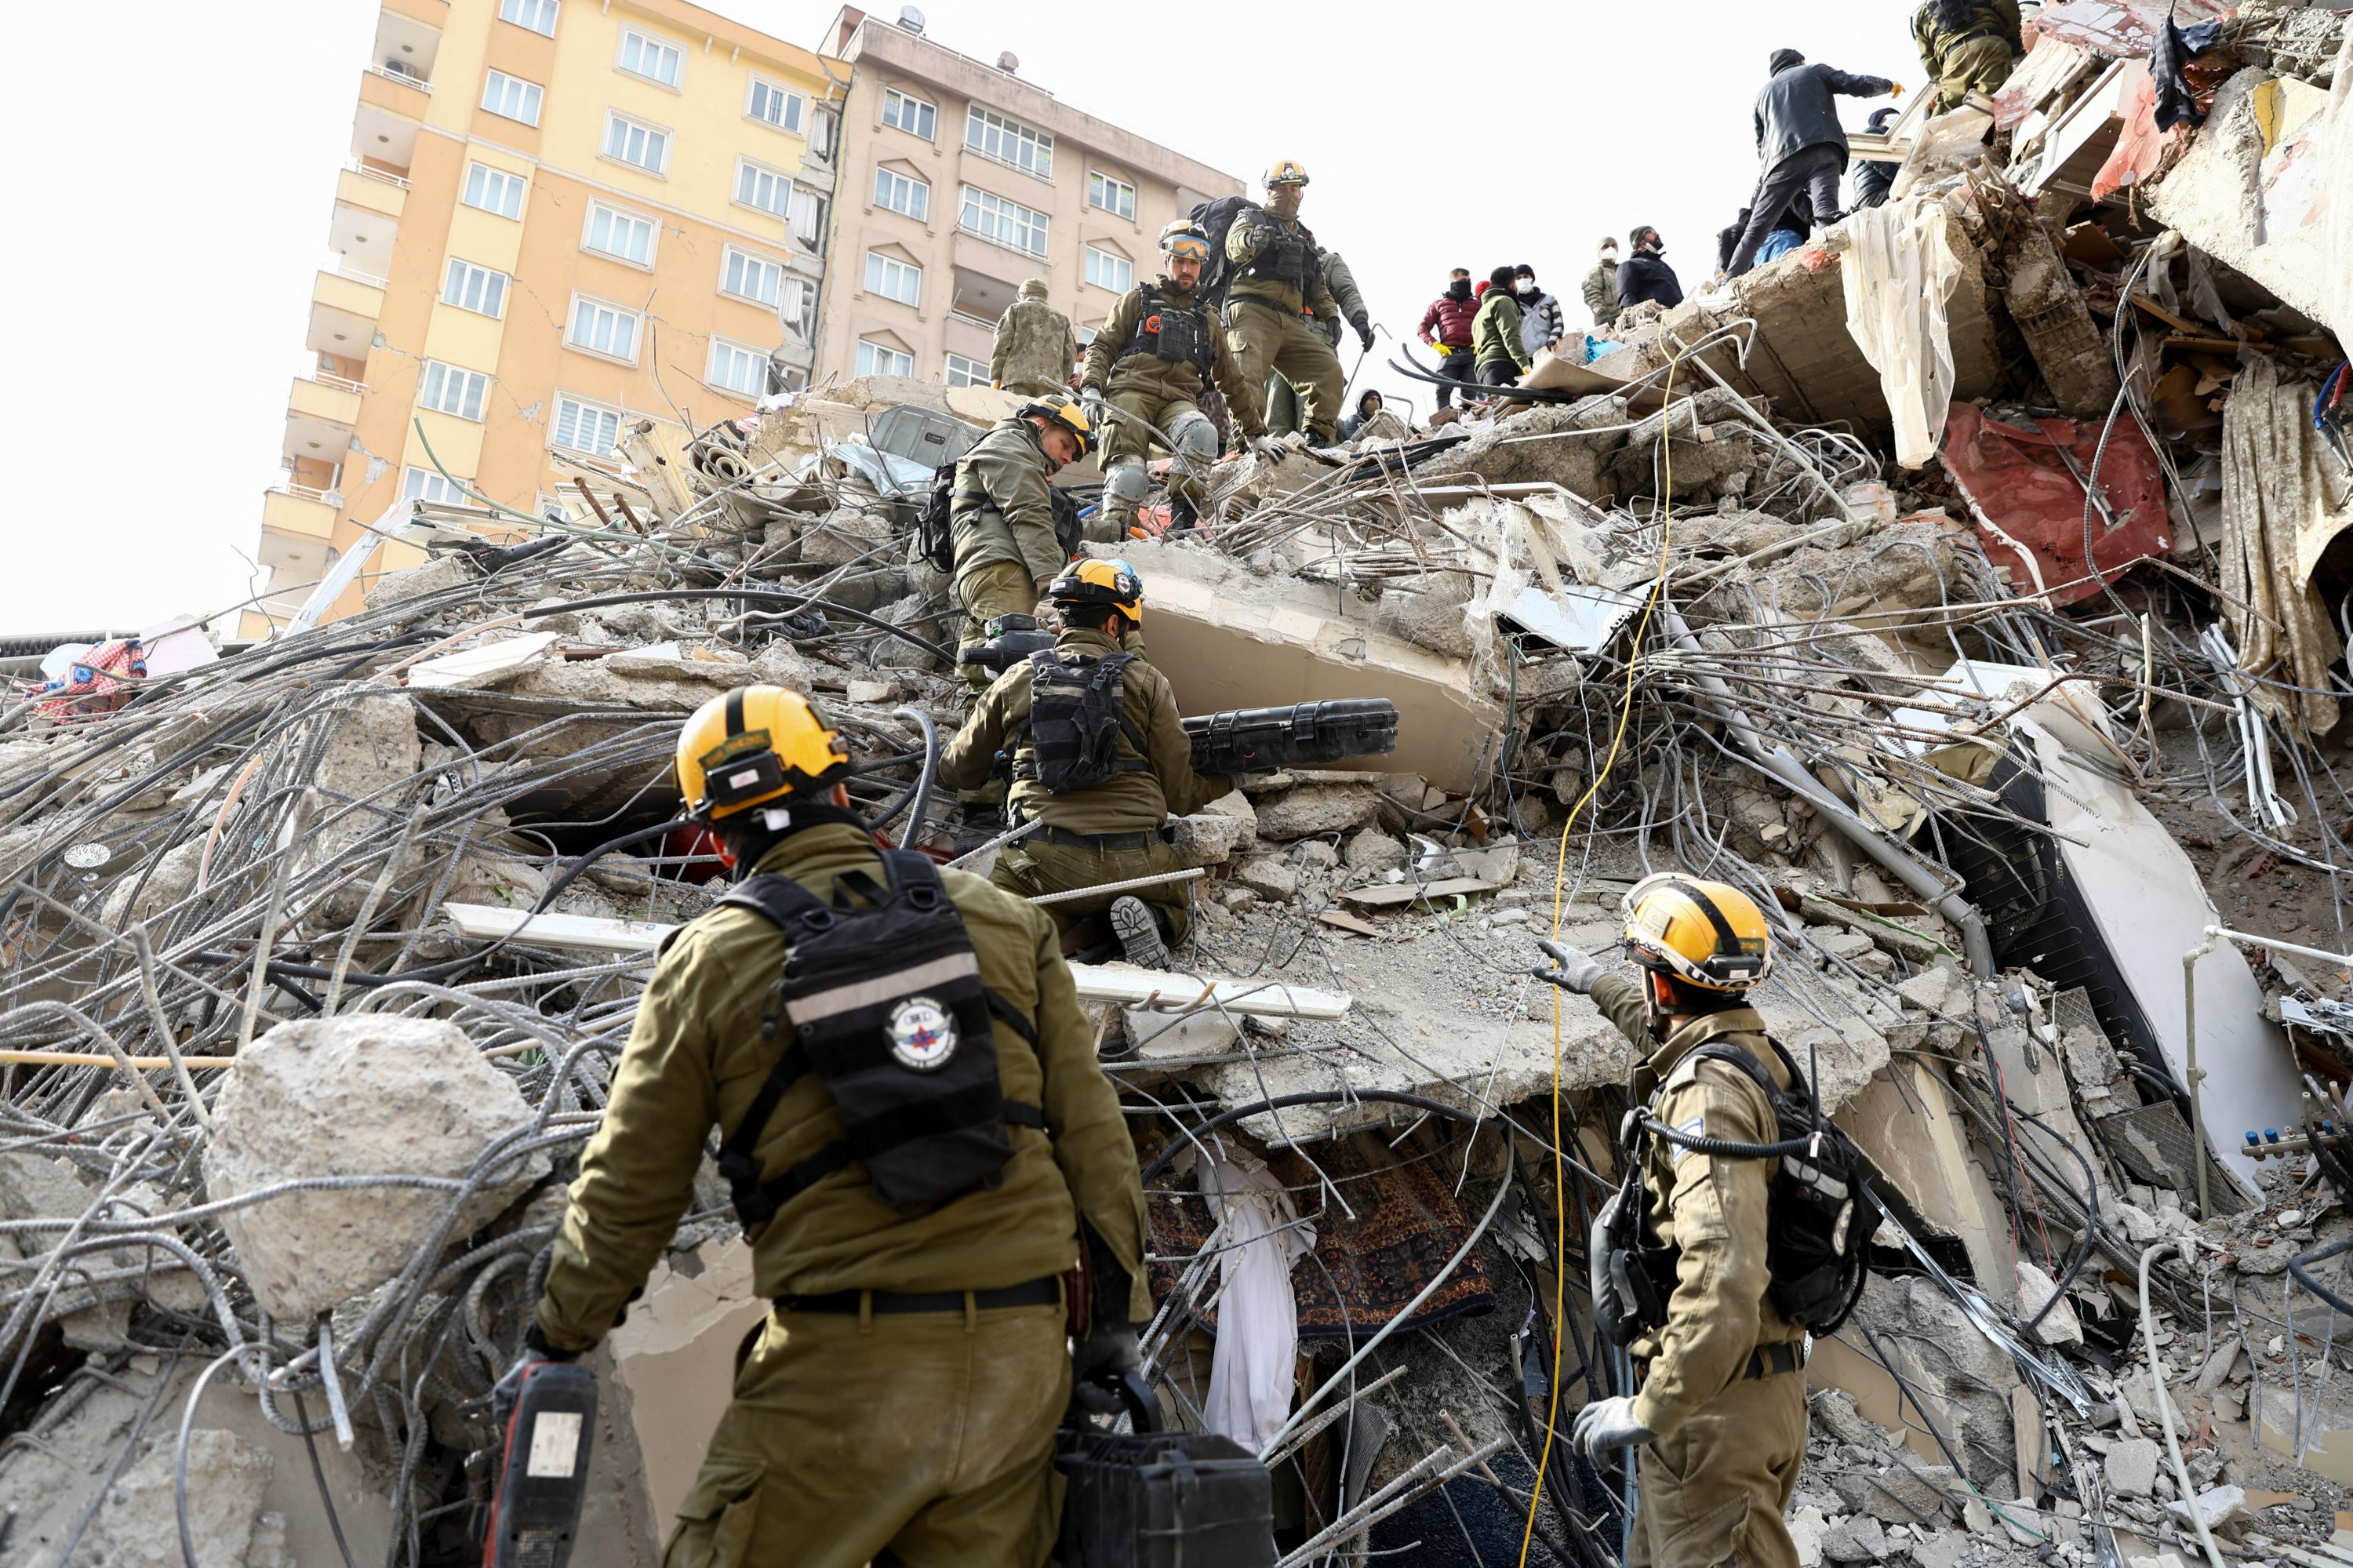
[1251, 1377]
[1899, 271]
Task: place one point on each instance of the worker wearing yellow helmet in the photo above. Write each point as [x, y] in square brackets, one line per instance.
[1099, 761]
[919, 1142]
[1277, 283]
[1720, 1415]
[1001, 516]
[1150, 362]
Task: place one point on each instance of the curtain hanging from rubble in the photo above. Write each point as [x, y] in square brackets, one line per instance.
[1900, 270]
[1258, 1322]
[2276, 509]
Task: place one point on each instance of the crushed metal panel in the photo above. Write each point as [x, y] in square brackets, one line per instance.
[2026, 490]
[2154, 1144]
[1576, 620]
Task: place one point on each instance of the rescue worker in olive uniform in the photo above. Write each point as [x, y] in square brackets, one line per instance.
[1968, 46]
[900, 1401]
[1281, 397]
[1034, 349]
[1721, 1417]
[1277, 283]
[1152, 358]
[1100, 756]
[1001, 519]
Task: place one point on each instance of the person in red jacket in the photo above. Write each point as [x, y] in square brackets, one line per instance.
[1446, 327]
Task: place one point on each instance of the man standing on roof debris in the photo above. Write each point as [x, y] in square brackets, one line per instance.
[1034, 348]
[1495, 333]
[1601, 285]
[920, 1144]
[1968, 46]
[1100, 758]
[1541, 324]
[1001, 518]
[1721, 1417]
[1281, 397]
[1800, 145]
[1645, 274]
[1870, 178]
[1446, 327]
[1155, 351]
[1277, 283]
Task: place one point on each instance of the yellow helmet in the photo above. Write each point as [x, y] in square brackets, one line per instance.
[1068, 413]
[1183, 237]
[1708, 935]
[1286, 172]
[1110, 584]
[755, 744]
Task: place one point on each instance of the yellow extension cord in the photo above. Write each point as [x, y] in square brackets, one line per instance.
[1560, 881]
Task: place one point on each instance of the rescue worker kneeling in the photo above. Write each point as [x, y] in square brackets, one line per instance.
[1721, 1417]
[1099, 758]
[920, 1143]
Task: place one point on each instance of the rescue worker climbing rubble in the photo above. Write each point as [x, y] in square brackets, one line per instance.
[1002, 517]
[1034, 347]
[1153, 355]
[920, 1144]
[1100, 758]
[1721, 1415]
[1278, 284]
[1968, 46]
[1282, 397]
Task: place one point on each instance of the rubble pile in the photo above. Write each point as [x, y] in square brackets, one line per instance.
[1966, 586]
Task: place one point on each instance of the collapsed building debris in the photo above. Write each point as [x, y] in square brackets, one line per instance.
[1966, 586]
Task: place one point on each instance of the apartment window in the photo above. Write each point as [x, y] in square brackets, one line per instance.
[772, 105]
[881, 359]
[585, 428]
[446, 389]
[903, 194]
[539, 16]
[1112, 195]
[909, 114]
[620, 234]
[475, 289]
[992, 135]
[603, 329]
[512, 96]
[1008, 223]
[430, 484]
[493, 190]
[893, 280]
[763, 188]
[1105, 270]
[650, 58]
[749, 277]
[963, 371]
[737, 369]
[632, 141]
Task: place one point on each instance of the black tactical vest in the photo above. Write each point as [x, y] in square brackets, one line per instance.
[1288, 258]
[1167, 330]
[1077, 714]
[884, 1004]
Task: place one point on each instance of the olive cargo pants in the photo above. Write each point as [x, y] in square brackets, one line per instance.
[999, 588]
[1718, 1489]
[1125, 439]
[1266, 342]
[1031, 867]
[928, 1434]
[1981, 65]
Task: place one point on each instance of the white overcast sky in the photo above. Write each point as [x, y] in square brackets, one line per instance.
[168, 226]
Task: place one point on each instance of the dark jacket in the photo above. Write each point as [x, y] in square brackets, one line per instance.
[1356, 421]
[1795, 111]
[1872, 181]
[1643, 276]
[1449, 320]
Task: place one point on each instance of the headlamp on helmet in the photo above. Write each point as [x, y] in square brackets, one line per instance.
[755, 746]
[1100, 584]
[1069, 414]
[1708, 935]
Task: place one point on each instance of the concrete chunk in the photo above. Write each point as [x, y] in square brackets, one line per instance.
[138, 1526]
[1857, 1540]
[2132, 1468]
[1316, 808]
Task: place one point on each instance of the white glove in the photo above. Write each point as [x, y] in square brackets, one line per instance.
[1573, 968]
[1609, 1423]
[1091, 398]
[1268, 449]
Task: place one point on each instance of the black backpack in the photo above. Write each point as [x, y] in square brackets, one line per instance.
[1077, 714]
[935, 522]
[1818, 1232]
[1215, 220]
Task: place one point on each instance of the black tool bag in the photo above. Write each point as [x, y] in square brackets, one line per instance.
[884, 1004]
[1077, 714]
[1261, 740]
[1148, 1499]
[936, 520]
[1215, 219]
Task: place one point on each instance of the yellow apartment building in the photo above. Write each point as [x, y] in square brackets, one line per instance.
[557, 216]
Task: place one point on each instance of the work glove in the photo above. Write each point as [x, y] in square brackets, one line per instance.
[1363, 325]
[1609, 1423]
[1573, 968]
[1895, 90]
[1268, 449]
[1091, 398]
[536, 1351]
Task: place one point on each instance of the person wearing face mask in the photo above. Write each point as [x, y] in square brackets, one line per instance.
[1645, 276]
[1601, 285]
[1495, 334]
[1446, 327]
[1278, 284]
[1541, 325]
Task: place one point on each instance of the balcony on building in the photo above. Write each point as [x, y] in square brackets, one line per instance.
[394, 90]
[322, 412]
[345, 306]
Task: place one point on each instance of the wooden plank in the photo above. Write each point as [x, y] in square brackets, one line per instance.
[1385, 896]
[1341, 920]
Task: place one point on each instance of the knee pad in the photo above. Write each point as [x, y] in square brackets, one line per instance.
[1127, 484]
[1196, 435]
